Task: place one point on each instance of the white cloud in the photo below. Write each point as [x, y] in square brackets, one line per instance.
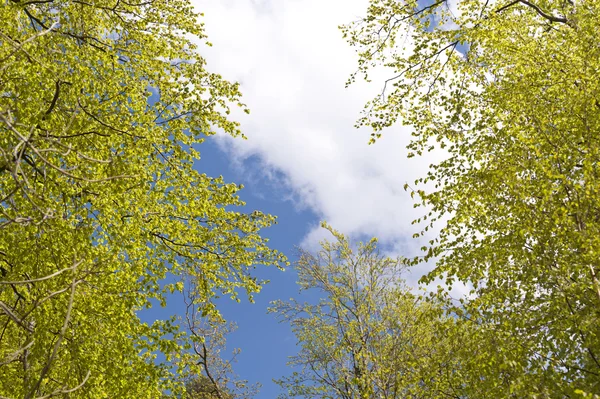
[292, 63]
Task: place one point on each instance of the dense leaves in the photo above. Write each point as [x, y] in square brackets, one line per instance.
[102, 212]
[510, 89]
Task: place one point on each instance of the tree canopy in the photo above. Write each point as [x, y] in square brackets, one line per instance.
[102, 213]
[509, 89]
[369, 336]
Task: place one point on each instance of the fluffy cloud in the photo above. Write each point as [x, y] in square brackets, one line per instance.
[292, 64]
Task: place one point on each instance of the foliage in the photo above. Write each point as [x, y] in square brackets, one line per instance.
[210, 375]
[202, 388]
[517, 110]
[102, 212]
[369, 336]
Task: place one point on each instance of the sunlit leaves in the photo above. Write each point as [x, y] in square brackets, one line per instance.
[102, 105]
[516, 110]
[369, 336]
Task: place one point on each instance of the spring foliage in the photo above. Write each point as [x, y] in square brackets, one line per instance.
[510, 89]
[369, 336]
[102, 212]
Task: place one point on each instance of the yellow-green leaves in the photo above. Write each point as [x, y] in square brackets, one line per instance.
[101, 104]
[369, 336]
[514, 105]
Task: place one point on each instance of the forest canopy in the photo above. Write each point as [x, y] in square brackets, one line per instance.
[509, 89]
[105, 212]
[102, 109]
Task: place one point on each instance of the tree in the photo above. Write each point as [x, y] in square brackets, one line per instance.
[202, 388]
[209, 374]
[102, 106]
[510, 90]
[369, 336]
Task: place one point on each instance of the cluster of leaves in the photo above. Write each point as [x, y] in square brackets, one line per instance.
[369, 336]
[102, 212]
[517, 110]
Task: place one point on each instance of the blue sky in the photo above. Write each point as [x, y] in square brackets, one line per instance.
[304, 160]
[264, 342]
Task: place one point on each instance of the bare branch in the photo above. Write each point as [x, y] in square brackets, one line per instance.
[15, 355]
[537, 9]
[10, 313]
[41, 278]
[67, 391]
[60, 336]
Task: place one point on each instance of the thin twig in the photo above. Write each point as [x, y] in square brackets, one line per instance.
[61, 335]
